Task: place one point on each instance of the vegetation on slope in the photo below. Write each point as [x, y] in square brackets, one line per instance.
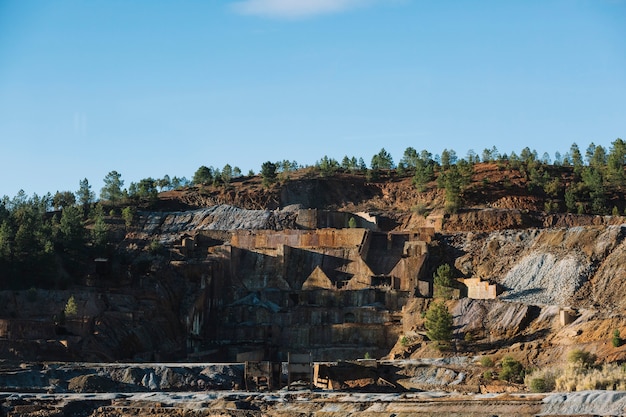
[47, 240]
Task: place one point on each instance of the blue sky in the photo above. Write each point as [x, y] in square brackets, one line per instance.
[150, 88]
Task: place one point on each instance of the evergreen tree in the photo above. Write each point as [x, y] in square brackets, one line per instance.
[438, 322]
[615, 163]
[472, 157]
[451, 181]
[71, 227]
[147, 188]
[345, 163]
[128, 214]
[164, 183]
[112, 190]
[84, 194]
[6, 241]
[227, 174]
[268, 173]
[99, 233]
[63, 199]
[592, 178]
[424, 173]
[576, 159]
[442, 282]
[327, 166]
[202, 176]
[589, 153]
[71, 309]
[598, 159]
[409, 158]
[382, 160]
[445, 159]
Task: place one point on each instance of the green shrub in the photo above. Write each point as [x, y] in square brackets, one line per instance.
[538, 385]
[420, 209]
[486, 361]
[155, 247]
[581, 358]
[512, 370]
[71, 309]
[616, 341]
[543, 380]
[488, 375]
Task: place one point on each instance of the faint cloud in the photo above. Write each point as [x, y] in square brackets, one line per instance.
[295, 9]
[80, 123]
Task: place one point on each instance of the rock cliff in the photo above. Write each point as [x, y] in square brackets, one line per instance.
[219, 273]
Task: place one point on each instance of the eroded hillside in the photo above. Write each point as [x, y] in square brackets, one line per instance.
[340, 266]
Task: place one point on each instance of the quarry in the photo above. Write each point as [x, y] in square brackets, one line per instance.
[295, 308]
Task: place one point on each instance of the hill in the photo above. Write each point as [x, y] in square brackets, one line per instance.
[339, 265]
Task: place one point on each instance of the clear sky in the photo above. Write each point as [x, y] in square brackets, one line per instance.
[151, 87]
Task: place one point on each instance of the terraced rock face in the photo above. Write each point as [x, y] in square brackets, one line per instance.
[563, 266]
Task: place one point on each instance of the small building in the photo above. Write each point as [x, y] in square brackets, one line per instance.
[103, 267]
[567, 316]
[187, 245]
[480, 290]
[299, 368]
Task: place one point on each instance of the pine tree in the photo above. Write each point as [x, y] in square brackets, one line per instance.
[442, 282]
[438, 322]
[71, 309]
[268, 173]
[112, 190]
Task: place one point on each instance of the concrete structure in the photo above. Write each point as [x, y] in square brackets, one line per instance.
[187, 246]
[261, 375]
[480, 290]
[332, 292]
[299, 368]
[313, 219]
[567, 316]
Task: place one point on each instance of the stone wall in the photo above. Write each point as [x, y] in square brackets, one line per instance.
[480, 290]
[310, 290]
[323, 238]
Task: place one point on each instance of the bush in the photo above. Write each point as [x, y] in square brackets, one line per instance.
[155, 247]
[616, 341]
[486, 361]
[71, 309]
[581, 358]
[420, 209]
[512, 370]
[609, 377]
[543, 380]
[538, 385]
[488, 375]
